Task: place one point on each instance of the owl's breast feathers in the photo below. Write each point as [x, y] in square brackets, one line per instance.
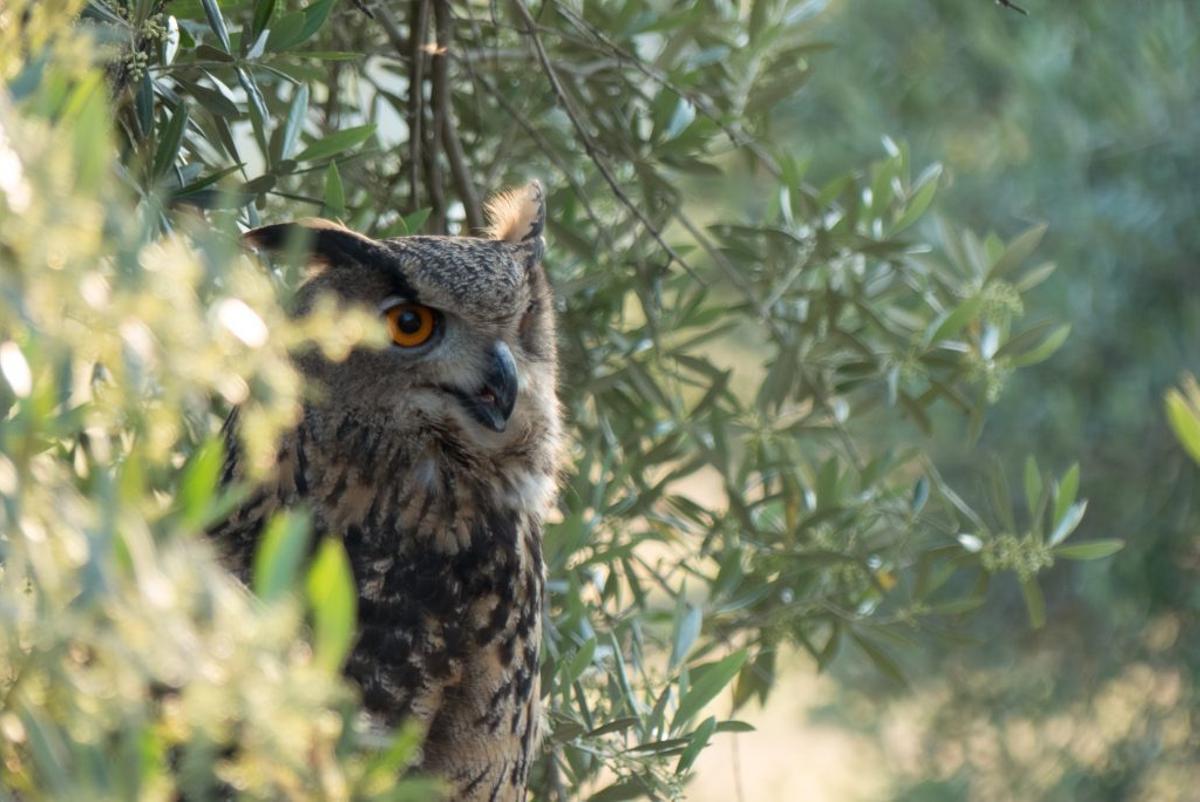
[446, 551]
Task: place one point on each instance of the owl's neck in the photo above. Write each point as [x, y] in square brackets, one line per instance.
[429, 484]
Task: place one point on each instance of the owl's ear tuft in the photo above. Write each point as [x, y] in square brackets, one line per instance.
[518, 215]
[325, 241]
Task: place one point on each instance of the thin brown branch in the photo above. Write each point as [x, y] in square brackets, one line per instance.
[738, 790]
[391, 28]
[416, 98]
[445, 126]
[493, 92]
[731, 272]
[586, 139]
[432, 135]
[433, 182]
[737, 135]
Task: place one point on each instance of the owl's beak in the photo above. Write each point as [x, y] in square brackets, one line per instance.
[493, 404]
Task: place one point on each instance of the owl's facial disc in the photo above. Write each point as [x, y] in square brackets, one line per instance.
[491, 404]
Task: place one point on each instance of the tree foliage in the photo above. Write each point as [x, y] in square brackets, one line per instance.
[1083, 117]
[752, 364]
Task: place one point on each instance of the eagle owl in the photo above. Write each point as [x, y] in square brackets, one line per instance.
[436, 461]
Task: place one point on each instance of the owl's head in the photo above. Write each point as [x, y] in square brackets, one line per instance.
[471, 323]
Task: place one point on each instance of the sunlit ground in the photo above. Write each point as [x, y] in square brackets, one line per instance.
[795, 756]
[789, 758]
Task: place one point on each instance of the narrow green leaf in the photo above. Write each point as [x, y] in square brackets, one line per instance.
[1091, 550]
[616, 725]
[204, 52]
[920, 495]
[212, 100]
[225, 135]
[297, 112]
[1066, 525]
[735, 726]
[216, 22]
[667, 746]
[413, 223]
[335, 195]
[957, 606]
[757, 677]
[831, 647]
[258, 48]
[295, 29]
[280, 554]
[1047, 348]
[572, 669]
[333, 601]
[1035, 277]
[952, 321]
[336, 142]
[263, 9]
[1033, 484]
[315, 15]
[257, 108]
[208, 180]
[169, 140]
[623, 683]
[143, 104]
[198, 483]
[1064, 495]
[1185, 422]
[682, 117]
[883, 661]
[1017, 251]
[565, 731]
[285, 31]
[711, 680]
[687, 630]
[917, 205]
[1000, 495]
[759, 17]
[620, 792]
[698, 741]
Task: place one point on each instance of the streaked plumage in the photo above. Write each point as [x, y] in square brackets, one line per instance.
[437, 465]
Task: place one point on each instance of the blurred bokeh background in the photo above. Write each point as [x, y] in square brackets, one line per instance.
[1084, 116]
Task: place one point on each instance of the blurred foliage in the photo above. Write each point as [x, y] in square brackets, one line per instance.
[727, 368]
[1084, 117]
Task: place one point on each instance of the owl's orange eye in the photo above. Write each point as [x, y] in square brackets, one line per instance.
[411, 325]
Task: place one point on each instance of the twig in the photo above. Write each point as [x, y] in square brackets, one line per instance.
[492, 91]
[383, 16]
[432, 135]
[588, 145]
[416, 98]
[444, 125]
[1013, 6]
[703, 104]
[728, 269]
[739, 792]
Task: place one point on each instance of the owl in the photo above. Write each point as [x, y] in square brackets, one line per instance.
[436, 461]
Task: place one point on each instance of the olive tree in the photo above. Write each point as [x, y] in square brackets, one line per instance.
[751, 361]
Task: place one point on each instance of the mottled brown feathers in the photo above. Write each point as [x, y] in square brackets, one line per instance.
[441, 517]
[517, 215]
